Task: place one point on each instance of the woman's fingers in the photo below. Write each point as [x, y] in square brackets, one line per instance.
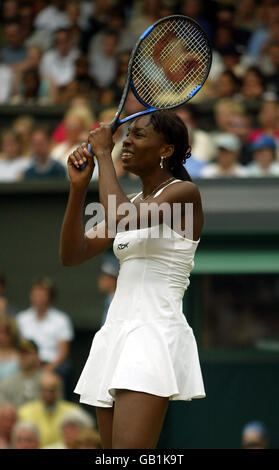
[79, 156]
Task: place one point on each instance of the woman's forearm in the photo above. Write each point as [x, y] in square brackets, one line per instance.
[109, 185]
[72, 240]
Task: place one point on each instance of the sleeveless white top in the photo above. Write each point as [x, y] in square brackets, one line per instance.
[146, 343]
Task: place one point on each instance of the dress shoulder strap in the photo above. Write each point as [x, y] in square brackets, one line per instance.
[158, 192]
[134, 197]
[162, 189]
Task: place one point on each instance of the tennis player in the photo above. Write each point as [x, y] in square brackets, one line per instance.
[145, 354]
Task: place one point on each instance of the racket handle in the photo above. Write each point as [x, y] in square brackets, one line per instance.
[85, 163]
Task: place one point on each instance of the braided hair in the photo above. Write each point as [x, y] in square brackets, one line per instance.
[175, 132]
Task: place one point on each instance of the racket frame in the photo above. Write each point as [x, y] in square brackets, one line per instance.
[116, 122]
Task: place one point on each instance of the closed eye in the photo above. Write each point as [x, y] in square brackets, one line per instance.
[135, 132]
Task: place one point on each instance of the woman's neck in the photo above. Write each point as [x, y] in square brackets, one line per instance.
[150, 182]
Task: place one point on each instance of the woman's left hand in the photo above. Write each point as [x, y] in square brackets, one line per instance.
[101, 141]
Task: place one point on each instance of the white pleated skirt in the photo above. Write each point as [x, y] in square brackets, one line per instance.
[160, 358]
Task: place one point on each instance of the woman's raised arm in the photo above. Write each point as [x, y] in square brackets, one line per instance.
[76, 246]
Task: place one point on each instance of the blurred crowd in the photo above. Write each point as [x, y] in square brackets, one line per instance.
[75, 54]
[37, 409]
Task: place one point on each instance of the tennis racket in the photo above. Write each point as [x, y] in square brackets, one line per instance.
[168, 66]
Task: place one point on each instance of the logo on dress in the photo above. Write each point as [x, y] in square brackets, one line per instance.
[121, 246]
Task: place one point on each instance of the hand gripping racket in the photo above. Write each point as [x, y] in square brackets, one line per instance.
[168, 66]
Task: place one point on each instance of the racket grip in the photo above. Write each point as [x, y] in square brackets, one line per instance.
[85, 163]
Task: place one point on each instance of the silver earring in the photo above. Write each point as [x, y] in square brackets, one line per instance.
[162, 162]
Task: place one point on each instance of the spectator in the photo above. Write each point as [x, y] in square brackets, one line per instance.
[52, 17]
[255, 436]
[44, 92]
[264, 156]
[31, 89]
[48, 410]
[268, 119]
[263, 34]
[195, 9]
[77, 125]
[12, 164]
[224, 110]
[26, 14]
[231, 60]
[241, 126]
[23, 385]
[253, 85]
[76, 25]
[227, 85]
[144, 14]
[50, 328]
[6, 308]
[94, 19]
[9, 338]
[273, 75]
[225, 18]
[33, 58]
[227, 164]
[117, 22]
[43, 166]
[107, 281]
[8, 418]
[23, 126]
[80, 102]
[6, 80]
[58, 63]
[25, 435]
[9, 10]
[33, 37]
[202, 144]
[87, 439]
[103, 63]
[13, 52]
[107, 97]
[245, 17]
[81, 85]
[71, 424]
[224, 35]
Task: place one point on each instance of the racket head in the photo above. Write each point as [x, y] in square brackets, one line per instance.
[168, 65]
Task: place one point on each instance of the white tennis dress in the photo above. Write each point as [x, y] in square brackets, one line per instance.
[146, 343]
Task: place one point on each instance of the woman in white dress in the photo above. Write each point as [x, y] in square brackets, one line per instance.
[145, 354]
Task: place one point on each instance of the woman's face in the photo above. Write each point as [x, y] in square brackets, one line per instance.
[143, 147]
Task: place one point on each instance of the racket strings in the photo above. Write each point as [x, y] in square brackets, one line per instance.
[170, 63]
